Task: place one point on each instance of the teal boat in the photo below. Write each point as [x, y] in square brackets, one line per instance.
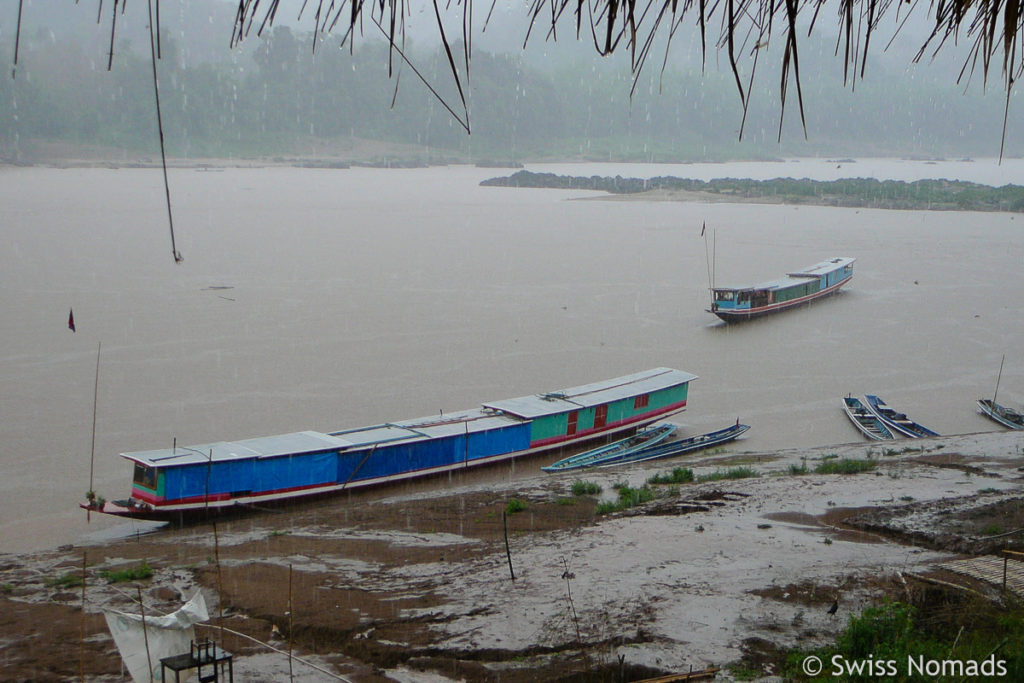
[680, 446]
[615, 451]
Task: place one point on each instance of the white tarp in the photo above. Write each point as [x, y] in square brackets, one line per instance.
[167, 636]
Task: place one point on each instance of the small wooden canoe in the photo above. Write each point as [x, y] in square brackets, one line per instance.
[894, 420]
[863, 419]
[614, 451]
[1001, 414]
[681, 446]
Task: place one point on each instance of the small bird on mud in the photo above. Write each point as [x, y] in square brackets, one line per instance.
[834, 608]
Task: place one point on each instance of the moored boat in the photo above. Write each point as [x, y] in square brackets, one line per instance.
[863, 419]
[682, 446]
[176, 481]
[1001, 414]
[736, 304]
[617, 450]
[894, 420]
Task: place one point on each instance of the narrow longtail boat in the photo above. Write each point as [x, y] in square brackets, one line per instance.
[896, 421]
[614, 451]
[736, 304]
[863, 419]
[1001, 414]
[681, 446]
[195, 480]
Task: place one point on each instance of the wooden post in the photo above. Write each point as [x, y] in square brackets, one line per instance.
[508, 552]
[1005, 560]
[220, 584]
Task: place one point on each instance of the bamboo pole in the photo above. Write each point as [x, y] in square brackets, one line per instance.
[145, 634]
[81, 649]
[290, 610]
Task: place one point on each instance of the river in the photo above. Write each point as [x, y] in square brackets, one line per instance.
[323, 299]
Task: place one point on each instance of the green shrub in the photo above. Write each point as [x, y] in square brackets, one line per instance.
[515, 505]
[136, 572]
[628, 497]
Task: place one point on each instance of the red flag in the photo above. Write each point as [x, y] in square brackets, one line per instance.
[71, 320]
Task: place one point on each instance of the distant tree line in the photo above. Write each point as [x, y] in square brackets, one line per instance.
[280, 94]
[852, 192]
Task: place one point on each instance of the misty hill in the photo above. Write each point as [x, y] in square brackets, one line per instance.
[277, 95]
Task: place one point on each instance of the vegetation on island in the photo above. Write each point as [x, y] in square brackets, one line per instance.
[936, 195]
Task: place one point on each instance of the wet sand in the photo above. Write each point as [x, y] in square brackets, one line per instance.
[416, 585]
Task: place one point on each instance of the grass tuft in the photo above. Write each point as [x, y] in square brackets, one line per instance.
[585, 488]
[845, 466]
[136, 572]
[734, 473]
[679, 475]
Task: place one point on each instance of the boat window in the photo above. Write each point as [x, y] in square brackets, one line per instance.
[743, 297]
[641, 401]
[145, 476]
[573, 418]
[724, 295]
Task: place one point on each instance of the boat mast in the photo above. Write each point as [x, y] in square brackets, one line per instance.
[92, 449]
[707, 260]
[998, 377]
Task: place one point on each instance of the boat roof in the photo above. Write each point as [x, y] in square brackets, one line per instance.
[431, 427]
[539, 405]
[298, 443]
[798, 276]
[221, 451]
[825, 267]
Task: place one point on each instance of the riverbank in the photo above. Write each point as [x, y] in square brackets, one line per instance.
[418, 586]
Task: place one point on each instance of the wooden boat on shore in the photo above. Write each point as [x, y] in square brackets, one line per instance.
[172, 482]
[614, 451]
[865, 421]
[682, 446]
[1001, 414]
[736, 304]
[896, 421]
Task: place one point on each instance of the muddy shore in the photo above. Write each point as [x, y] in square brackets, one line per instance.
[416, 585]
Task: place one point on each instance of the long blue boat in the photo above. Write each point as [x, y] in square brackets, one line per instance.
[895, 420]
[682, 446]
[617, 450]
[172, 482]
[736, 304]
